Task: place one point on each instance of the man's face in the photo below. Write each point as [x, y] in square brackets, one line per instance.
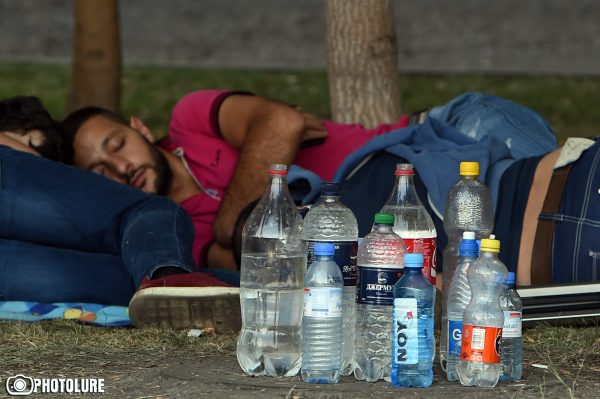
[122, 154]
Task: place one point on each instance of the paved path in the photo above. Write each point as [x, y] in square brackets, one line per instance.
[533, 36]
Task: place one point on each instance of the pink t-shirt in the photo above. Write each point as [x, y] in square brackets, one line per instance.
[194, 130]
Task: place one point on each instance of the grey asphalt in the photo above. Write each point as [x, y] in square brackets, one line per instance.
[533, 36]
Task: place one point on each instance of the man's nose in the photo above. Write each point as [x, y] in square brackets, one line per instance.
[121, 165]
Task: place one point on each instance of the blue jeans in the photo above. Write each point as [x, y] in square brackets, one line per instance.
[480, 115]
[68, 235]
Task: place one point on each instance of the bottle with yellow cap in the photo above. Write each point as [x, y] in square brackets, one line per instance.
[483, 319]
[468, 208]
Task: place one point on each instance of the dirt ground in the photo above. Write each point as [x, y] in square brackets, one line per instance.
[221, 377]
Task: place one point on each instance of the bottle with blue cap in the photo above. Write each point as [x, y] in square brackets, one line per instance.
[412, 325]
[458, 299]
[511, 354]
[322, 320]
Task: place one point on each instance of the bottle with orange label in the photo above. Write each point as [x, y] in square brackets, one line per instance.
[483, 319]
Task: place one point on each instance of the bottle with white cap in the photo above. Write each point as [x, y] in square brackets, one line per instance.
[512, 352]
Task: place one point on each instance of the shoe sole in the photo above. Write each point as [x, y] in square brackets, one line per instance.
[184, 307]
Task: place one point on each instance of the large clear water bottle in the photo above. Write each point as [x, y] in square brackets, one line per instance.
[468, 208]
[322, 321]
[512, 352]
[483, 319]
[272, 283]
[413, 339]
[380, 257]
[331, 221]
[458, 299]
[411, 220]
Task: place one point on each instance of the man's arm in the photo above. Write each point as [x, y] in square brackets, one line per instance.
[264, 132]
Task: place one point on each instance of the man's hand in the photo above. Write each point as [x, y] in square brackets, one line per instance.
[314, 127]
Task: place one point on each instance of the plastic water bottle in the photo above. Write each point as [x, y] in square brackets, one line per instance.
[380, 256]
[331, 221]
[411, 220]
[511, 353]
[468, 208]
[483, 319]
[412, 363]
[458, 299]
[272, 283]
[322, 321]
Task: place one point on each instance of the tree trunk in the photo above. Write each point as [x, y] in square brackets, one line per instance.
[97, 55]
[362, 59]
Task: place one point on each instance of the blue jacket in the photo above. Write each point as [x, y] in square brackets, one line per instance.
[434, 149]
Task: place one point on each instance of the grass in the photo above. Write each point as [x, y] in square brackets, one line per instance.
[66, 348]
[570, 104]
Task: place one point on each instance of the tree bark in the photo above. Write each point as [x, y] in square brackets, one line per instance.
[97, 55]
[362, 59]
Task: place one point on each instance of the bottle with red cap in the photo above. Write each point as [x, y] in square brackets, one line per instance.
[411, 220]
[272, 283]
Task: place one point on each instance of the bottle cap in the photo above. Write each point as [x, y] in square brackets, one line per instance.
[414, 260]
[324, 249]
[330, 188]
[468, 246]
[468, 235]
[404, 169]
[278, 169]
[384, 218]
[510, 279]
[490, 244]
[469, 168]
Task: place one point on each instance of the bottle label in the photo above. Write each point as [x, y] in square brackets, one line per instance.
[512, 324]
[322, 302]
[345, 257]
[405, 330]
[375, 284]
[454, 337]
[481, 344]
[426, 246]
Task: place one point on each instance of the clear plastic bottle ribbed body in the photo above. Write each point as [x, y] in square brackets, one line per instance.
[512, 341]
[458, 299]
[271, 283]
[380, 257]
[322, 320]
[331, 221]
[483, 319]
[468, 208]
[413, 339]
[411, 220]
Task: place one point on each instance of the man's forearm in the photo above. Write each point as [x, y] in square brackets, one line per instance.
[271, 140]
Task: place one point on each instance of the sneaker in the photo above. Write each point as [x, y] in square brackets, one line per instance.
[190, 300]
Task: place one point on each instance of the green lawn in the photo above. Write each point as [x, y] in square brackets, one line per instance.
[569, 103]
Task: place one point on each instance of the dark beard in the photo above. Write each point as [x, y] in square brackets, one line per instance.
[164, 174]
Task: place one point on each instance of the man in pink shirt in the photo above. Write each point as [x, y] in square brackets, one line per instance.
[216, 157]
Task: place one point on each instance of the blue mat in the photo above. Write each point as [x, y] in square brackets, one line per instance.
[89, 313]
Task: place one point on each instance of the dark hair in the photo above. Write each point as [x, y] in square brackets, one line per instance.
[23, 114]
[73, 122]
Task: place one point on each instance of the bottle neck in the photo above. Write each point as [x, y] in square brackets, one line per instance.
[324, 257]
[278, 186]
[404, 192]
[383, 228]
[471, 178]
[330, 199]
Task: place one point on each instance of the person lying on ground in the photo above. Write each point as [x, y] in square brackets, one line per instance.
[221, 144]
[73, 236]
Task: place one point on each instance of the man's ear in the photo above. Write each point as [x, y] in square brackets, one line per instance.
[137, 124]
